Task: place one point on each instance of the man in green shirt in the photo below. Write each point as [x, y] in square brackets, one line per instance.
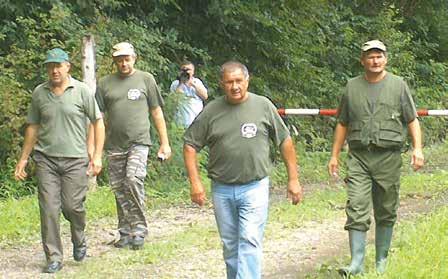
[238, 128]
[57, 129]
[374, 114]
[128, 98]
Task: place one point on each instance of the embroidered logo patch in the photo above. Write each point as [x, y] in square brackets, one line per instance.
[134, 94]
[248, 130]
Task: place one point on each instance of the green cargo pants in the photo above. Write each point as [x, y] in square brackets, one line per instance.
[373, 178]
[62, 186]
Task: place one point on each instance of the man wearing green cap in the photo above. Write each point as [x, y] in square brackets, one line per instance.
[375, 112]
[57, 130]
[128, 98]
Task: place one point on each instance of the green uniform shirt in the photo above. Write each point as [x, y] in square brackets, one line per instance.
[238, 137]
[63, 119]
[126, 102]
[376, 113]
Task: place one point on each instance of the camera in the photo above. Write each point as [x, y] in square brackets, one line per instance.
[184, 76]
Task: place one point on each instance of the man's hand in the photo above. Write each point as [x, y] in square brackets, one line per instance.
[197, 194]
[417, 160]
[95, 166]
[333, 167]
[20, 173]
[295, 192]
[164, 152]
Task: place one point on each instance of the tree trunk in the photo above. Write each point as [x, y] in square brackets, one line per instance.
[88, 76]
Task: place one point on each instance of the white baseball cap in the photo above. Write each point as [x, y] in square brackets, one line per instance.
[374, 44]
[123, 48]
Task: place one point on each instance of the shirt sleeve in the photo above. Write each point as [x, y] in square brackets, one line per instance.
[407, 105]
[343, 116]
[174, 85]
[196, 134]
[99, 96]
[154, 97]
[33, 116]
[278, 131]
[91, 107]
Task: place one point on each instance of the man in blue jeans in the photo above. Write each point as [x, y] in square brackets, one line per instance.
[238, 128]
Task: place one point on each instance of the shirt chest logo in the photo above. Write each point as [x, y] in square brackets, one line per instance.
[248, 130]
[134, 94]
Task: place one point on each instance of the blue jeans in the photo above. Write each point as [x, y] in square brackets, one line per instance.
[241, 212]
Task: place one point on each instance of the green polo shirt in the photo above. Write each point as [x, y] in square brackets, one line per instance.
[127, 101]
[239, 138]
[63, 119]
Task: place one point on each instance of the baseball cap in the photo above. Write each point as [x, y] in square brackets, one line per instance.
[373, 44]
[56, 55]
[123, 48]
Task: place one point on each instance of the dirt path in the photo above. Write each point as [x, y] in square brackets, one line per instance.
[288, 252]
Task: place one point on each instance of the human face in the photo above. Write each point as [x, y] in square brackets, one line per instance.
[58, 72]
[374, 62]
[235, 85]
[125, 64]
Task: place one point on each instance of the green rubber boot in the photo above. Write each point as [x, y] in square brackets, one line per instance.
[357, 250]
[383, 237]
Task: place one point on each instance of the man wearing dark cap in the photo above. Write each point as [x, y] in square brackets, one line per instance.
[375, 114]
[57, 130]
[128, 98]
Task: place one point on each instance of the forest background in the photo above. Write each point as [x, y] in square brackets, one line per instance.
[300, 54]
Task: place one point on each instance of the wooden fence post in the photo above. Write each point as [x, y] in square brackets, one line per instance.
[88, 76]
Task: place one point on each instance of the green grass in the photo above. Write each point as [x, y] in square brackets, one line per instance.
[420, 249]
[318, 206]
[199, 237]
[20, 219]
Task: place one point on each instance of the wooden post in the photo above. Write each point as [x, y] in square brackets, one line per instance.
[88, 76]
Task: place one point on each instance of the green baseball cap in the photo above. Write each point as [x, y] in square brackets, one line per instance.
[56, 55]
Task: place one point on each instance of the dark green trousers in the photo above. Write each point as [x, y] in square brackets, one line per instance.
[62, 186]
[373, 180]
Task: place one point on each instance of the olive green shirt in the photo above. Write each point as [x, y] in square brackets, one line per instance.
[126, 101]
[238, 137]
[63, 119]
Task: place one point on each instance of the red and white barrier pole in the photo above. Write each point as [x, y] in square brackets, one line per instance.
[333, 112]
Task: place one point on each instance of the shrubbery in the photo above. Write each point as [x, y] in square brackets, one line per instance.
[299, 53]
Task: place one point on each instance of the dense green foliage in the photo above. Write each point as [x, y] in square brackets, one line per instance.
[300, 54]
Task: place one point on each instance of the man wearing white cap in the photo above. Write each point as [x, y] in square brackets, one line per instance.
[374, 114]
[128, 97]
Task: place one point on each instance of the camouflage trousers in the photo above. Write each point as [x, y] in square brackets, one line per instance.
[127, 172]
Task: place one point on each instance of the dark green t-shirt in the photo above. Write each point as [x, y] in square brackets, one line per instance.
[63, 119]
[238, 137]
[126, 101]
[360, 84]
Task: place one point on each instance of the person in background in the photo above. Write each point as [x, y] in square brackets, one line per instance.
[193, 91]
